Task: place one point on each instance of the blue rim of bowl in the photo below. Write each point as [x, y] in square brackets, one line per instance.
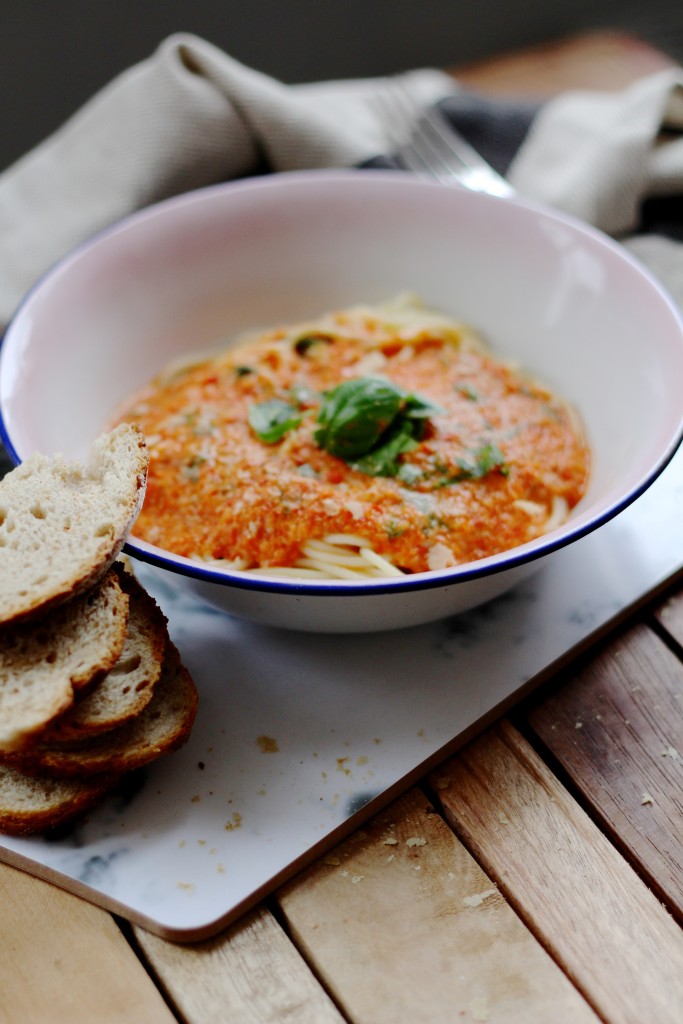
[513, 558]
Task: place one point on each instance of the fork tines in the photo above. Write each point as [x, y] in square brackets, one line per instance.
[426, 144]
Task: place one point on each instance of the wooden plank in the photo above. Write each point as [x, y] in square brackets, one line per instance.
[64, 960]
[403, 925]
[616, 727]
[583, 900]
[250, 974]
[596, 60]
[670, 615]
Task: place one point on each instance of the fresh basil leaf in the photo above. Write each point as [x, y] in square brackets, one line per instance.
[383, 459]
[369, 422]
[354, 415]
[271, 420]
[419, 408]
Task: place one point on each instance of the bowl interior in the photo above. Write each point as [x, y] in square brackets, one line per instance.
[186, 275]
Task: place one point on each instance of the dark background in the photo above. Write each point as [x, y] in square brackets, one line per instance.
[56, 53]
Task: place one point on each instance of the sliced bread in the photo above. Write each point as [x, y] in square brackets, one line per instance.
[159, 728]
[128, 686]
[63, 523]
[30, 804]
[43, 663]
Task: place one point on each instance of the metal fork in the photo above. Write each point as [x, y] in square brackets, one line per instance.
[424, 142]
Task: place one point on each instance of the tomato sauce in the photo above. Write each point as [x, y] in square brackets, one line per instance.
[485, 476]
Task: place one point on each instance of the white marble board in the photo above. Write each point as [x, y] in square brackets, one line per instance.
[299, 736]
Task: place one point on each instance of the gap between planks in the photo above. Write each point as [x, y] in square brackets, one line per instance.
[396, 931]
[401, 923]
[586, 904]
[615, 728]
[251, 973]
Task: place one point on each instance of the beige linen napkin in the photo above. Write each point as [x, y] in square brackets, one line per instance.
[598, 156]
[190, 116]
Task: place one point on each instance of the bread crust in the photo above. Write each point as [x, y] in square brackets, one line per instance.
[160, 728]
[34, 804]
[91, 686]
[44, 664]
[128, 686]
[63, 523]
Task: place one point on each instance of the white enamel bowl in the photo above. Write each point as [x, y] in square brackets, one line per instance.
[562, 299]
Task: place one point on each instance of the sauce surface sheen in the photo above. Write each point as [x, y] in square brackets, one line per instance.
[217, 491]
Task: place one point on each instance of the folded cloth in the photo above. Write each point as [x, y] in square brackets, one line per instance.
[190, 116]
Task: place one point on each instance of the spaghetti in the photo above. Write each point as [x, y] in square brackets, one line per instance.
[373, 441]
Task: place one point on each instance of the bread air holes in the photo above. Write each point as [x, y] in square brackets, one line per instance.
[7, 523]
[37, 511]
[104, 530]
[124, 666]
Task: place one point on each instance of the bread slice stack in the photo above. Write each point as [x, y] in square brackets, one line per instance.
[91, 685]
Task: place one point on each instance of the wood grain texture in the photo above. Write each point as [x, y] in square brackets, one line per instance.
[596, 60]
[578, 895]
[64, 961]
[616, 727]
[403, 925]
[669, 614]
[250, 974]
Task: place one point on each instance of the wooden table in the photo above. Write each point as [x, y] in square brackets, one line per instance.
[537, 876]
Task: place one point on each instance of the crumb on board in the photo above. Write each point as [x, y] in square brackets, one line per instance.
[416, 841]
[646, 799]
[476, 899]
[267, 744]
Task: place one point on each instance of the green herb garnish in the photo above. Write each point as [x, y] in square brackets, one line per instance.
[382, 460]
[271, 420]
[369, 422]
[485, 459]
[302, 345]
